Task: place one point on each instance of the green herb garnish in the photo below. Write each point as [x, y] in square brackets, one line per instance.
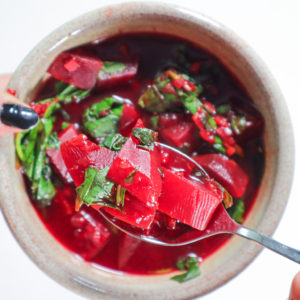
[114, 142]
[237, 211]
[165, 95]
[45, 188]
[96, 189]
[154, 122]
[120, 196]
[68, 93]
[129, 178]
[111, 67]
[223, 109]
[65, 125]
[161, 172]
[211, 123]
[218, 145]
[152, 100]
[189, 264]
[238, 124]
[31, 148]
[102, 119]
[146, 136]
[53, 141]
[180, 57]
[192, 103]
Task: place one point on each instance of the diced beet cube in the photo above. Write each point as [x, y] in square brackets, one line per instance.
[136, 170]
[135, 212]
[117, 76]
[76, 148]
[76, 68]
[191, 202]
[253, 127]
[90, 233]
[128, 119]
[79, 154]
[179, 135]
[55, 154]
[67, 134]
[169, 119]
[127, 248]
[226, 171]
[176, 129]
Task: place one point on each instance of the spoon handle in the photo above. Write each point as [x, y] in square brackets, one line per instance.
[288, 252]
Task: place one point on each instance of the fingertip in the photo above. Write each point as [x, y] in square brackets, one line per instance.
[19, 116]
[295, 288]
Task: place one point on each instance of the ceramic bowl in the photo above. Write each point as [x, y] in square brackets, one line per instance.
[94, 282]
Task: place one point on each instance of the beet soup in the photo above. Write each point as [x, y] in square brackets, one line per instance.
[101, 109]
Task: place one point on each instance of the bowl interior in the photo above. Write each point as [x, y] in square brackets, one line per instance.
[93, 281]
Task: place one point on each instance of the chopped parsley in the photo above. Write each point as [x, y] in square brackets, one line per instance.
[190, 264]
[114, 142]
[111, 67]
[98, 190]
[31, 147]
[102, 119]
[68, 93]
[130, 177]
[237, 211]
[146, 136]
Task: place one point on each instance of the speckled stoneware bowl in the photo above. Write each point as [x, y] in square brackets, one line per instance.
[94, 282]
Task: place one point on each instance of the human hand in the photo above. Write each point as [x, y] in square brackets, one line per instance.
[15, 116]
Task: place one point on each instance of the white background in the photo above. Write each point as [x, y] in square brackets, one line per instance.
[272, 28]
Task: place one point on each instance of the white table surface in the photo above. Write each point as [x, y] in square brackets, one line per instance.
[272, 28]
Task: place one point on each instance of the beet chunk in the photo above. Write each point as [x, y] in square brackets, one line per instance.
[90, 233]
[226, 171]
[55, 154]
[76, 68]
[116, 73]
[179, 135]
[191, 202]
[128, 119]
[79, 154]
[127, 247]
[176, 129]
[136, 170]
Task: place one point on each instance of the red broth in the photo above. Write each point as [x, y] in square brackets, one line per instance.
[154, 52]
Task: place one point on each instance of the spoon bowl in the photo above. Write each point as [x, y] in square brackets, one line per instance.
[221, 222]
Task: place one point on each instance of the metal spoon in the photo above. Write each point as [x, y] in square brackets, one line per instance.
[221, 223]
